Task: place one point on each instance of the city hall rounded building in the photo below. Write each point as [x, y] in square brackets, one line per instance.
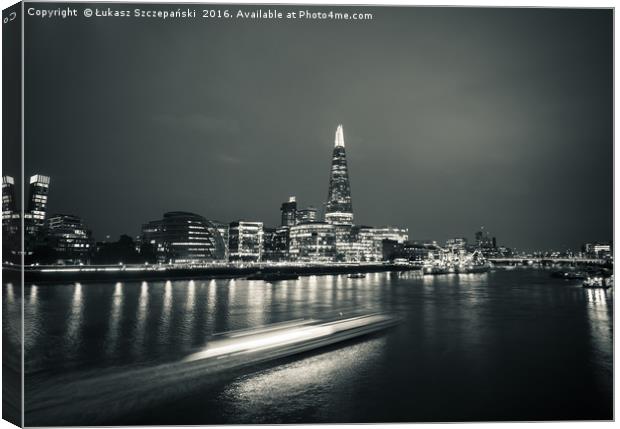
[183, 237]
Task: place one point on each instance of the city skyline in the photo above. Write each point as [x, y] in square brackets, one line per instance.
[474, 122]
[336, 209]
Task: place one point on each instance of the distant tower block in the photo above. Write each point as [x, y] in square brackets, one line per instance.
[338, 209]
[289, 212]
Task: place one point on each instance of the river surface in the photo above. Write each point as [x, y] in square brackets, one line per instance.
[505, 345]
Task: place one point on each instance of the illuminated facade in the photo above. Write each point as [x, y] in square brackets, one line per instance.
[338, 209]
[456, 244]
[281, 244]
[10, 215]
[347, 244]
[400, 235]
[222, 228]
[9, 206]
[71, 240]
[309, 214]
[370, 244]
[34, 218]
[312, 242]
[182, 237]
[370, 241]
[245, 241]
[598, 250]
[289, 212]
[270, 244]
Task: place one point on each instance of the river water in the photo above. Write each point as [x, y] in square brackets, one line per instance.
[504, 345]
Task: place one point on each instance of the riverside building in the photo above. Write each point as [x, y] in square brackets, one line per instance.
[10, 215]
[70, 238]
[245, 241]
[184, 238]
[289, 212]
[34, 218]
[222, 228]
[312, 242]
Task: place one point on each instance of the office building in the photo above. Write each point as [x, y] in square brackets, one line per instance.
[456, 244]
[309, 214]
[10, 214]
[184, 238]
[36, 210]
[312, 242]
[69, 238]
[245, 241]
[369, 241]
[270, 245]
[223, 228]
[289, 212]
[400, 235]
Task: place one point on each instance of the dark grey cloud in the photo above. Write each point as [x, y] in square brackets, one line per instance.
[453, 118]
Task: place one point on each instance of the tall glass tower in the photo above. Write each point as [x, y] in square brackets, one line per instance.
[338, 209]
[37, 206]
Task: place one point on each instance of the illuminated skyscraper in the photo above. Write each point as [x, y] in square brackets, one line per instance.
[34, 217]
[338, 209]
[11, 222]
[10, 215]
[289, 212]
[8, 197]
[37, 206]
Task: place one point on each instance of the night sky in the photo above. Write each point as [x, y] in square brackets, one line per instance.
[453, 118]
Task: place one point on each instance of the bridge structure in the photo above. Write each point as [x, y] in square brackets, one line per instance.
[527, 260]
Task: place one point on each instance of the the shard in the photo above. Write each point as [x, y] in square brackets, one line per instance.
[338, 209]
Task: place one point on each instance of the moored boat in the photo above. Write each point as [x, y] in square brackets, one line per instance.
[473, 269]
[437, 270]
[569, 275]
[356, 276]
[598, 282]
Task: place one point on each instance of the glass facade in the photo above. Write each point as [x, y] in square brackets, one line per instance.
[370, 243]
[245, 241]
[289, 212]
[70, 239]
[10, 215]
[11, 222]
[182, 237]
[34, 218]
[312, 242]
[37, 205]
[309, 214]
[338, 209]
[270, 250]
[222, 228]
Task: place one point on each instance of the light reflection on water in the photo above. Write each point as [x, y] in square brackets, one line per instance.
[477, 328]
[115, 317]
[74, 321]
[31, 320]
[167, 308]
[141, 318]
[324, 376]
[600, 322]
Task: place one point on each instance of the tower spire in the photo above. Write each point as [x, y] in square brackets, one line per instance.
[338, 208]
[339, 141]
